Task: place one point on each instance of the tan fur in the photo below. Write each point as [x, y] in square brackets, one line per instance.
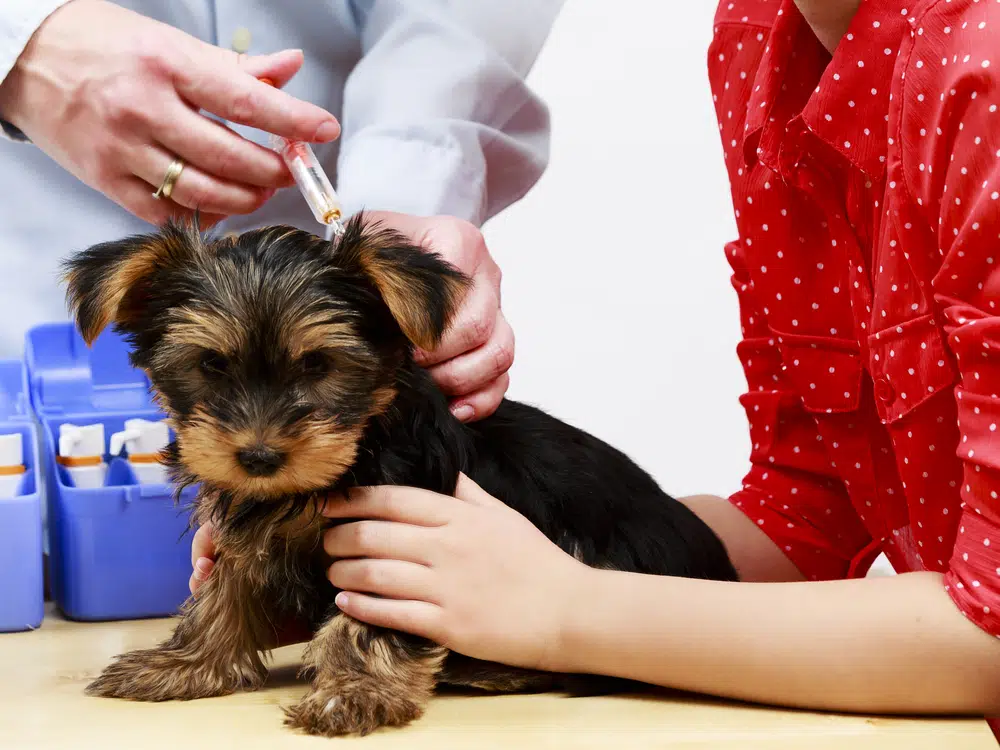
[204, 329]
[315, 331]
[126, 276]
[214, 649]
[383, 399]
[316, 457]
[406, 306]
[362, 680]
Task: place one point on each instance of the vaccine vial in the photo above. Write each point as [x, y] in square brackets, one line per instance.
[11, 465]
[81, 452]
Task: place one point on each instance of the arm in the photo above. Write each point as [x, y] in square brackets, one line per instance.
[871, 645]
[897, 644]
[949, 162]
[18, 21]
[913, 643]
[755, 556]
[436, 121]
[114, 97]
[874, 645]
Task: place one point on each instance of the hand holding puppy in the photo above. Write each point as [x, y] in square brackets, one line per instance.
[467, 572]
[470, 364]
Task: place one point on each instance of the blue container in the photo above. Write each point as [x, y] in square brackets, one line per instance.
[121, 551]
[22, 594]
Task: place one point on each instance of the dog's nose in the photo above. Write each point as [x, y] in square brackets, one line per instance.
[260, 461]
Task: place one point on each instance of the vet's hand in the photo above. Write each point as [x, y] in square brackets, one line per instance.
[113, 97]
[471, 363]
[467, 572]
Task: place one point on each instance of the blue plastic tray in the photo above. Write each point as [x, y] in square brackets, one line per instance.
[22, 602]
[120, 551]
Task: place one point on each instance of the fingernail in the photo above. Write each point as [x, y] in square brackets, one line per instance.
[463, 413]
[327, 131]
[340, 600]
[203, 567]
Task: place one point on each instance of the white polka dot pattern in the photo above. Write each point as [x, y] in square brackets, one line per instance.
[866, 188]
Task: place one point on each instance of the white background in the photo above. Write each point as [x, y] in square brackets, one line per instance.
[615, 279]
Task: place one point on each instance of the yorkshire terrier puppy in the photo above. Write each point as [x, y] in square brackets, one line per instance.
[284, 363]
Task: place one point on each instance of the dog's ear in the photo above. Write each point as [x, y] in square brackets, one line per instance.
[109, 283]
[421, 290]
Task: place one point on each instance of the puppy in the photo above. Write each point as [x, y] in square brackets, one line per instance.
[284, 363]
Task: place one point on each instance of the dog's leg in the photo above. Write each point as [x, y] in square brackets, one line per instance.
[364, 678]
[463, 671]
[214, 649]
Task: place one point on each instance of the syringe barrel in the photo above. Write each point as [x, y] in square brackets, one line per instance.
[311, 179]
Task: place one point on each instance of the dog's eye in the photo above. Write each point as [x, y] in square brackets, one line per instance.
[315, 364]
[213, 363]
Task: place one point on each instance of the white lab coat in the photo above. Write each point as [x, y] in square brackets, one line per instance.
[431, 96]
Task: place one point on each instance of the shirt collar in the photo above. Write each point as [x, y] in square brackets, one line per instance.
[843, 99]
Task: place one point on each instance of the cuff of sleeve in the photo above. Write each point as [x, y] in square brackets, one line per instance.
[16, 29]
[973, 578]
[813, 526]
[380, 172]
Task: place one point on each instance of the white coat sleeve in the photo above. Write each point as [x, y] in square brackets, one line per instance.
[19, 19]
[437, 117]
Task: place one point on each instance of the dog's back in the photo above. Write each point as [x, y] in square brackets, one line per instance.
[590, 498]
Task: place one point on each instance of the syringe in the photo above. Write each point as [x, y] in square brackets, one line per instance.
[309, 176]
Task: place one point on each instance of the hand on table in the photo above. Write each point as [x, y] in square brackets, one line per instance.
[467, 572]
[471, 363]
[114, 97]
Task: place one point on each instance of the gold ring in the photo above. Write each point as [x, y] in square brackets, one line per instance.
[169, 179]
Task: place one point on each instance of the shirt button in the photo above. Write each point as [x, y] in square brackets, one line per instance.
[884, 391]
[241, 40]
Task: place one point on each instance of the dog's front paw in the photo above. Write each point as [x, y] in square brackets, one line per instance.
[333, 710]
[164, 674]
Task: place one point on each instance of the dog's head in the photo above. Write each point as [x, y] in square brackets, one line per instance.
[270, 351]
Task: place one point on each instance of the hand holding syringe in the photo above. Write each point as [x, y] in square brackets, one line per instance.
[312, 180]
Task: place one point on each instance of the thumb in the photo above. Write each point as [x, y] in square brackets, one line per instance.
[471, 492]
[279, 67]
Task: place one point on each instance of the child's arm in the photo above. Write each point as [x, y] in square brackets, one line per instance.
[476, 576]
[875, 645]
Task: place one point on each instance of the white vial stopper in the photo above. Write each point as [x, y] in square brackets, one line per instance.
[140, 437]
[144, 441]
[81, 442]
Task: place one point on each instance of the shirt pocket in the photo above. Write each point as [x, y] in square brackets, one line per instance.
[826, 373]
[910, 363]
[819, 378]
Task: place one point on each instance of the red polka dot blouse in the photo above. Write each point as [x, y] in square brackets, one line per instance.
[866, 186]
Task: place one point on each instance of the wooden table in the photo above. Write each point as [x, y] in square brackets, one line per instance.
[42, 707]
